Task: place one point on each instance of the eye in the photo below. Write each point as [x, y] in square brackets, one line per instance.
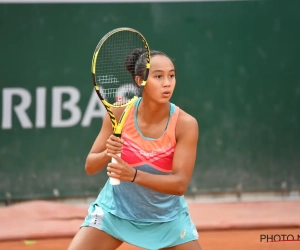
[158, 76]
[172, 76]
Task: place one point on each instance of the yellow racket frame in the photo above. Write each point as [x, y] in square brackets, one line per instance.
[118, 125]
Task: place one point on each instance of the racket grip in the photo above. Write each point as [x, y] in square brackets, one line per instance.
[114, 181]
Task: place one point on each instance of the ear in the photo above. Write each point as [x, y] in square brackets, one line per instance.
[138, 80]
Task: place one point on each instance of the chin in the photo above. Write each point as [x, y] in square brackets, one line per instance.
[164, 100]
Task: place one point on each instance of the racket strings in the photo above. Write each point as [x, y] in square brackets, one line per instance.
[119, 92]
[114, 80]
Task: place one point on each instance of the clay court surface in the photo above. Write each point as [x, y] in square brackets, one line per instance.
[213, 240]
[41, 225]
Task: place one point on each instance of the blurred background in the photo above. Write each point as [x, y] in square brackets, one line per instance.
[237, 72]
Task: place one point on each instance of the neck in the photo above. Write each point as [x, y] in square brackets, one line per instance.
[153, 112]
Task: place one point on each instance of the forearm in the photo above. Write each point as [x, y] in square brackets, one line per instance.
[168, 184]
[95, 162]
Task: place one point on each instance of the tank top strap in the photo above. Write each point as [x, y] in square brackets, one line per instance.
[174, 113]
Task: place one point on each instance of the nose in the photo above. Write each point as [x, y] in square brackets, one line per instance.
[167, 82]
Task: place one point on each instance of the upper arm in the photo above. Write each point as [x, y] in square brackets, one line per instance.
[187, 134]
[105, 132]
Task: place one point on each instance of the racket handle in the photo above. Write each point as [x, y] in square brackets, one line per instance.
[114, 181]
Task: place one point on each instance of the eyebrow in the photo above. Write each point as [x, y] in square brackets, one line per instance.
[159, 70]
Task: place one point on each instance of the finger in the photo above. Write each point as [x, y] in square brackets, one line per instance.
[113, 166]
[115, 138]
[113, 143]
[113, 170]
[113, 150]
[113, 175]
[113, 147]
[117, 158]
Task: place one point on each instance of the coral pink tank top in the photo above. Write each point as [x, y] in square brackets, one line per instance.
[132, 201]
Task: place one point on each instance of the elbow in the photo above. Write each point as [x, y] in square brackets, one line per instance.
[93, 163]
[180, 192]
[181, 189]
[88, 168]
[180, 184]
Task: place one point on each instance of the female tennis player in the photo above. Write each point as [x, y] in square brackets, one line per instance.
[158, 152]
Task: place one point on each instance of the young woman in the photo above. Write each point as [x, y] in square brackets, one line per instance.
[158, 152]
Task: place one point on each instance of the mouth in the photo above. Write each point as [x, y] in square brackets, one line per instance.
[166, 93]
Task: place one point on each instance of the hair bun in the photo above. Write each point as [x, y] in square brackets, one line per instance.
[132, 58]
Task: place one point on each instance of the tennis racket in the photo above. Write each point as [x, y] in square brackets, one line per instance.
[113, 82]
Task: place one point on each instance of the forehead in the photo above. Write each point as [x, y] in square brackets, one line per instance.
[161, 62]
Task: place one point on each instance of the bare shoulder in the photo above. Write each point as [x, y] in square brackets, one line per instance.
[186, 124]
[185, 119]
